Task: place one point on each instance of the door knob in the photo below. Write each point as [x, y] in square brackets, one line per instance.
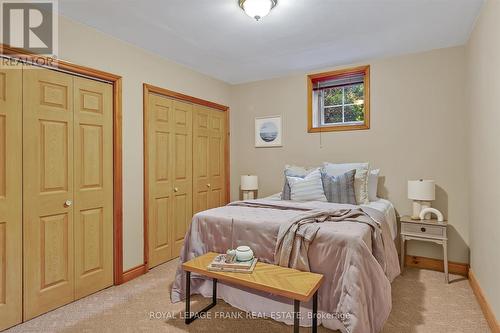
[208, 185]
[176, 189]
[68, 203]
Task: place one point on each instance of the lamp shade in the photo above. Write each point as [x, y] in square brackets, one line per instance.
[249, 183]
[422, 189]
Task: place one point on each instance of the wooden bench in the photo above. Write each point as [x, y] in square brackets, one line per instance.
[290, 283]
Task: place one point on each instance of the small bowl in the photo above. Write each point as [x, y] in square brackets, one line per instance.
[244, 253]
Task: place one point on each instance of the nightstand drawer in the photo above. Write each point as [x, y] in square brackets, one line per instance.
[422, 229]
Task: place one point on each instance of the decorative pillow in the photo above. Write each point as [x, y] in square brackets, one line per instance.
[339, 189]
[373, 184]
[360, 179]
[309, 188]
[293, 171]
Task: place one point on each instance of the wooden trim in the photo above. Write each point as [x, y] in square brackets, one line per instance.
[436, 265]
[145, 123]
[116, 81]
[227, 152]
[182, 97]
[338, 128]
[312, 77]
[147, 88]
[57, 64]
[483, 302]
[134, 273]
[118, 182]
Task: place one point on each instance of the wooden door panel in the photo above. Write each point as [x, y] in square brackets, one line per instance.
[53, 156]
[54, 243]
[161, 226]
[10, 196]
[48, 183]
[92, 163]
[182, 157]
[162, 141]
[200, 201]
[182, 209]
[217, 159]
[92, 223]
[201, 155]
[93, 147]
[182, 171]
[217, 198]
[201, 142]
[159, 119]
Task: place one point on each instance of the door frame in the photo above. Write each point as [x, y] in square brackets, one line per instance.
[116, 81]
[147, 89]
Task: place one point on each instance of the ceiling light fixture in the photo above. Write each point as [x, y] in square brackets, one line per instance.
[257, 9]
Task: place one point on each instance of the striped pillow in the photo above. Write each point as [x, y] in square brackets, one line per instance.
[293, 171]
[309, 188]
[339, 189]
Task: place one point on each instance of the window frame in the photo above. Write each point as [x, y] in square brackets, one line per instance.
[330, 75]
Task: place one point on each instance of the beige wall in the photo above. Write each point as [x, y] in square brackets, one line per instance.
[483, 78]
[85, 46]
[417, 131]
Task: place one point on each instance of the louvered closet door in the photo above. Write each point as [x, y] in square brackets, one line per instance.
[48, 190]
[160, 118]
[10, 196]
[182, 161]
[93, 204]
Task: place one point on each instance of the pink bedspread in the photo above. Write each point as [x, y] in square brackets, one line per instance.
[356, 293]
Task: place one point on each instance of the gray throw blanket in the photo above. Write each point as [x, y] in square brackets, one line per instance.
[294, 237]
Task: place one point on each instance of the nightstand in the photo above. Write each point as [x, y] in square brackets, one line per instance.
[427, 231]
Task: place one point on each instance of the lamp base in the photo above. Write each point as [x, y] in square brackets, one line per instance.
[417, 208]
[248, 194]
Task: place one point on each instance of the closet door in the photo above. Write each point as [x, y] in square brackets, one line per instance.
[159, 118]
[48, 190]
[10, 196]
[209, 158]
[182, 165]
[93, 206]
[201, 143]
[217, 190]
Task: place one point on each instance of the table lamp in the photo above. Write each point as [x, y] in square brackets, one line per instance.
[249, 186]
[422, 192]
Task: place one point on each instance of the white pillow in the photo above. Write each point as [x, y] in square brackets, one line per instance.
[309, 188]
[360, 179]
[373, 184]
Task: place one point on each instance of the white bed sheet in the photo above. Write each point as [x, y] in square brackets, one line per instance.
[382, 205]
[386, 207]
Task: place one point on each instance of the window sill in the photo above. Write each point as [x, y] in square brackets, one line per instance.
[338, 128]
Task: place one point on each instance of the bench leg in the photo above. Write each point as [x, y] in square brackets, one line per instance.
[315, 313]
[187, 315]
[296, 311]
[188, 318]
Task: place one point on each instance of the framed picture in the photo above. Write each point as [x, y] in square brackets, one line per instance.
[268, 132]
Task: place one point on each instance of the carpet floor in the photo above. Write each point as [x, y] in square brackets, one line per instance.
[421, 303]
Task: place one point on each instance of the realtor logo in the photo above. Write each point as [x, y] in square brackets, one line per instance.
[30, 25]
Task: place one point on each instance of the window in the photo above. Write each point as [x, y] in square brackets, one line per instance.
[339, 100]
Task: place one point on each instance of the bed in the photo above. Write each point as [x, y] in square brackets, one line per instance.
[356, 294]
